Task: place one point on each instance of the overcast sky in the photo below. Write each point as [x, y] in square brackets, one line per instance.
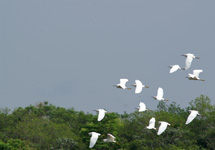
[72, 52]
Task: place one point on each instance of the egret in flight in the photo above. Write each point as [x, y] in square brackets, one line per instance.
[110, 138]
[151, 124]
[160, 94]
[93, 139]
[189, 60]
[139, 86]
[101, 113]
[122, 84]
[162, 127]
[195, 75]
[142, 107]
[174, 68]
[193, 114]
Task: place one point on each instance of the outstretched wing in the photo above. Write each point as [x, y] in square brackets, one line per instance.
[190, 118]
[188, 62]
[123, 82]
[160, 93]
[93, 139]
[174, 68]
[101, 114]
[152, 122]
[142, 106]
[162, 128]
[139, 86]
[111, 137]
[197, 72]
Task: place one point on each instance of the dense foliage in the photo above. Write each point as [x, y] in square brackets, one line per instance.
[47, 127]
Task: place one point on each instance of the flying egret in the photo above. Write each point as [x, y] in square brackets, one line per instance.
[195, 75]
[162, 127]
[189, 60]
[160, 94]
[142, 107]
[122, 83]
[193, 114]
[110, 138]
[139, 86]
[101, 113]
[93, 139]
[174, 68]
[151, 124]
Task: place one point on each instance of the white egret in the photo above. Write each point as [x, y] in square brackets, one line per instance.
[110, 138]
[174, 68]
[122, 84]
[139, 86]
[93, 139]
[193, 114]
[142, 107]
[160, 94]
[195, 75]
[162, 127]
[189, 60]
[101, 113]
[151, 124]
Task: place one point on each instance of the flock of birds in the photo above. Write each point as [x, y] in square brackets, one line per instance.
[142, 107]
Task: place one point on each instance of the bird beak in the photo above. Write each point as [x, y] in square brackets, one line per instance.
[197, 57]
[146, 86]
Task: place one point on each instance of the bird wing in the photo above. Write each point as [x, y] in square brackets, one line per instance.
[123, 82]
[101, 114]
[93, 139]
[160, 93]
[196, 72]
[188, 62]
[111, 137]
[139, 86]
[174, 68]
[162, 128]
[152, 122]
[190, 118]
[142, 106]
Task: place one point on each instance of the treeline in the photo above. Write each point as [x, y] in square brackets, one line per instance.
[47, 127]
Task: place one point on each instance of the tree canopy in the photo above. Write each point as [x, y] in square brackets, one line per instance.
[45, 126]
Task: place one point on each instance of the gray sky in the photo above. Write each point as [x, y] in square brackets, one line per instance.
[71, 52]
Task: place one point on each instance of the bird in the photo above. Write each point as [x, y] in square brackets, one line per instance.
[122, 83]
[142, 107]
[174, 68]
[195, 75]
[151, 124]
[139, 86]
[193, 114]
[110, 138]
[93, 139]
[189, 60]
[160, 94]
[162, 127]
[101, 113]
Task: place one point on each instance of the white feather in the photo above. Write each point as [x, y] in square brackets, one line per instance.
[193, 114]
[162, 127]
[93, 139]
[151, 124]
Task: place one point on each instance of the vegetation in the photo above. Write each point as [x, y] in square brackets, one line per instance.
[48, 127]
